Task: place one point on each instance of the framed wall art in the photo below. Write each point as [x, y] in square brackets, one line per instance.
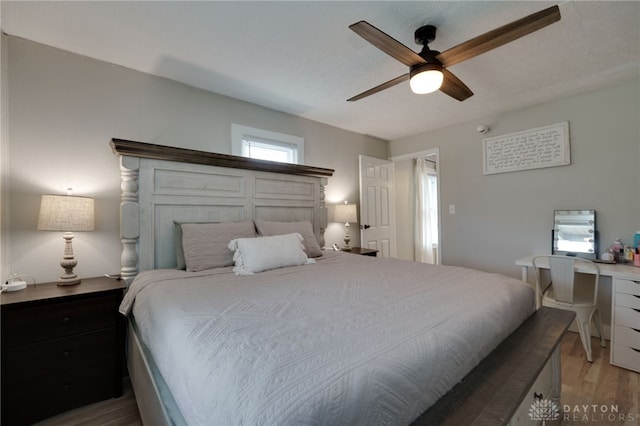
[546, 146]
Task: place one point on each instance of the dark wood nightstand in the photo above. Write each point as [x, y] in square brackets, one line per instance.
[62, 347]
[362, 251]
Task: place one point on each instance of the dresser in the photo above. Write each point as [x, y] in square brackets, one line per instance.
[625, 323]
[62, 347]
[625, 310]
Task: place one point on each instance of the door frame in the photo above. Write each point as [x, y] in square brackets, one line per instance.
[412, 156]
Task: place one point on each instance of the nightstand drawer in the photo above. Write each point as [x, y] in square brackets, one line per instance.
[37, 323]
[29, 401]
[85, 351]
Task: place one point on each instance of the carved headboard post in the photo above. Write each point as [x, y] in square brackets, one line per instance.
[129, 217]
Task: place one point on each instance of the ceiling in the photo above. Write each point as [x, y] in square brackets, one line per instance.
[300, 57]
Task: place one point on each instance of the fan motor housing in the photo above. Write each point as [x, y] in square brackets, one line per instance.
[425, 35]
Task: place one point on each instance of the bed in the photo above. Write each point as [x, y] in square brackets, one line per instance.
[286, 333]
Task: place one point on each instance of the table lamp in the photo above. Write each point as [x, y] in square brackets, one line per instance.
[66, 213]
[346, 213]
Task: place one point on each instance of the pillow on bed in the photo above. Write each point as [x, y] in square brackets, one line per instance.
[304, 228]
[206, 245]
[177, 232]
[264, 253]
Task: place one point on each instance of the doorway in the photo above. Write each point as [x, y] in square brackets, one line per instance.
[427, 209]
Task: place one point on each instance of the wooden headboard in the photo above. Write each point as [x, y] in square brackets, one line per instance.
[162, 185]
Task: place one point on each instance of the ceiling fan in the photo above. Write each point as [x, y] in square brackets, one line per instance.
[428, 69]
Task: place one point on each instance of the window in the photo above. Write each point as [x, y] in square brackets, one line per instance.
[266, 145]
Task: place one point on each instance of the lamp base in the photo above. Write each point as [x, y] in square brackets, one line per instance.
[68, 280]
[68, 263]
[346, 246]
[347, 238]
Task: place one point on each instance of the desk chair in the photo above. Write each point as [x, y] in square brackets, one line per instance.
[562, 294]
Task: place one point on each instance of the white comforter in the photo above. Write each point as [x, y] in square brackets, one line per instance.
[350, 340]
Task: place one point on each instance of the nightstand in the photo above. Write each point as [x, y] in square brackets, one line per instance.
[362, 251]
[62, 347]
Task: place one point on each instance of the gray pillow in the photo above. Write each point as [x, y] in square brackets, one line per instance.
[177, 233]
[206, 245]
[304, 228]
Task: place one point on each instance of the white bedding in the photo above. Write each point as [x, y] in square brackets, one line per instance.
[349, 340]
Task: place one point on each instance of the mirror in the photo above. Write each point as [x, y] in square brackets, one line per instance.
[574, 233]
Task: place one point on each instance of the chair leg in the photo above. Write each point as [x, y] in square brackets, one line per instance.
[585, 335]
[598, 323]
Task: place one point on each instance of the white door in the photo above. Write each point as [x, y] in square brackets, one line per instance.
[377, 206]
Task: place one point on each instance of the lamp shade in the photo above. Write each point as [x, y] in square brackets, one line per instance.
[426, 78]
[66, 213]
[346, 213]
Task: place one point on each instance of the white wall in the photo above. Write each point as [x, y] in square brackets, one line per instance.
[64, 108]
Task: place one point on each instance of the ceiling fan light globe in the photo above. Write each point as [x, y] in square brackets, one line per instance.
[426, 81]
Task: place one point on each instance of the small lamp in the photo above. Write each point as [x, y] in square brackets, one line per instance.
[66, 213]
[346, 213]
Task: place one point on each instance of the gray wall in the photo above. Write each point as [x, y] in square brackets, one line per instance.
[64, 108]
[4, 157]
[503, 217]
[500, 218]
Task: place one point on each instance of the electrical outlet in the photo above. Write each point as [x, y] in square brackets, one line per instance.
[452, 209]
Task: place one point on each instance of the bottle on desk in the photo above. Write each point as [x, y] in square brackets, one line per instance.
[618, 251]
[628, 254]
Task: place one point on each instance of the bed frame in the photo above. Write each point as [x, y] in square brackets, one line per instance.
[162, 185]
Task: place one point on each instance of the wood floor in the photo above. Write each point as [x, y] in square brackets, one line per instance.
[590, 392]
[122, 411]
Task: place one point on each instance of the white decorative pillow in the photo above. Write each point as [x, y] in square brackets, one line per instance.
[206, 245]
[264, 253]
[303, 227]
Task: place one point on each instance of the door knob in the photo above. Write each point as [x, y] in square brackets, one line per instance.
[365, 227]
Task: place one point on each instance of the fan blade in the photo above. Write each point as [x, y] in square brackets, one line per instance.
[386, 43]
[502, 35]
[454, 87]
[380, 88]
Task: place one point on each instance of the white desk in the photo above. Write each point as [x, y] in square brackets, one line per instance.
[627, 271]
[625, 308]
